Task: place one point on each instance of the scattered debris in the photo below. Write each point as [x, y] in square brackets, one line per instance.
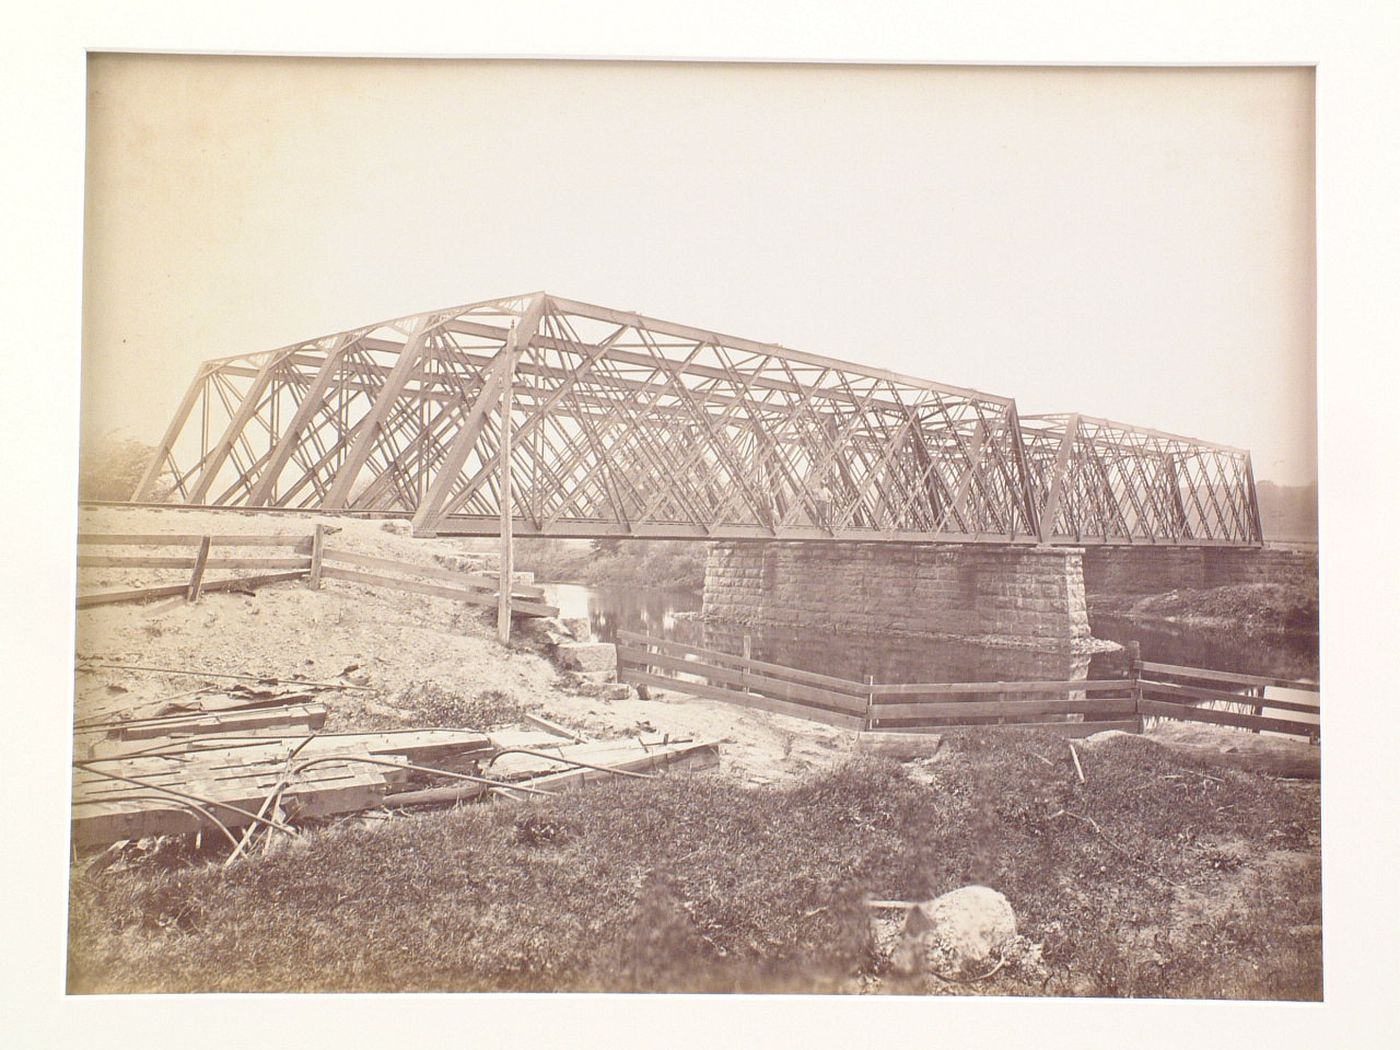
[92, 665]
[254, 761]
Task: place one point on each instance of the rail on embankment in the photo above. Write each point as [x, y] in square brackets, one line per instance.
[1076, 707]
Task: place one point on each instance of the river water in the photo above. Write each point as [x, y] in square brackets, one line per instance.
[891, 659]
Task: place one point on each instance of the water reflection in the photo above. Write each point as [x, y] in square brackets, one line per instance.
[1292, 658]
[612, 609]
[667, 613]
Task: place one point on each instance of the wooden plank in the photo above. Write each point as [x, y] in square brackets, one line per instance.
[1200, 692]
[318, 552]
[337, 791]
[121, 561]
[201, 562]
[763, 703]
[1229, 676]
[1005, 708]
[462, 595]
[691, 755]
[945, 688]
[419, 746]
[481, 583]
[840, 685]
[772, 687]
[87, 601]
[160, 539]
[554, 728]
[310, 716]
[1187, 713]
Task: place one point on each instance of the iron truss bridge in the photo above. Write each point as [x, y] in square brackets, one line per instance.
[619, 425]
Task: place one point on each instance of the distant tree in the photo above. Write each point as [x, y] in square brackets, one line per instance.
[110, 468]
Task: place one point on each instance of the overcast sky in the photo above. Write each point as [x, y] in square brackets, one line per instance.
[1131, 244]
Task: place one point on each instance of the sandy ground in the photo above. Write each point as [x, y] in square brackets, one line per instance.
[391, 641]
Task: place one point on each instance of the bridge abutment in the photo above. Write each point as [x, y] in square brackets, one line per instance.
[1023, 597]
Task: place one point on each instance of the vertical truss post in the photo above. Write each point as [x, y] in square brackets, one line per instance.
[310, 402]
[1058, 477]
[433, 505]
[975, 448]
[1178, 506]
[172, 434]
[507, 538]
[236, 425]
[1029, 510]
[1253, 501]
[338, 495]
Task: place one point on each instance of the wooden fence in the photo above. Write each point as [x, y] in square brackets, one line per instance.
[1175, 692]
[643, 660]
[1077, 707]
[309, 559]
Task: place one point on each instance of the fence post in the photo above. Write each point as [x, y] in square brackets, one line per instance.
[1135, 674]
[748, 655]
[197, 577]
[869, 702]
[318, 543]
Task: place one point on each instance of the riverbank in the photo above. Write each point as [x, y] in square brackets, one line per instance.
[657, 564]
[1287, 610]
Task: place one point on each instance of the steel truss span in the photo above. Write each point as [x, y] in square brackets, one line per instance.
[624, 425]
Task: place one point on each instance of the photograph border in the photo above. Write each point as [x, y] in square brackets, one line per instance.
[1356, 83]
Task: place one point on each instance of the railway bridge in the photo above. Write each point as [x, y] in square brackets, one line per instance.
[537, 415]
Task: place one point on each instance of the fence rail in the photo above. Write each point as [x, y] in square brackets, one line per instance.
[643, 660]
[1072, 707]
[313, 562]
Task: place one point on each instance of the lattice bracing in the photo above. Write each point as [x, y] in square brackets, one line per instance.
[1105, 482]
[624, 425]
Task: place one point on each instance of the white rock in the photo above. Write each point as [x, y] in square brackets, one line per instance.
[587, 656]
[960, 934]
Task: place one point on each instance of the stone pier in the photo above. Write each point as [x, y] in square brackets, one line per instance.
[1022, 597]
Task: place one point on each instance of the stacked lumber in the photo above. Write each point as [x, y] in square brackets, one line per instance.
[222, 762]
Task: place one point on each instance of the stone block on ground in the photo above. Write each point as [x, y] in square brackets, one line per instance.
[547, 629]
[961, 934]
[579, 628]
[587, 656]
[899, 746]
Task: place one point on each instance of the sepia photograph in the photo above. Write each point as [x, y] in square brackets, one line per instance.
[632, 527]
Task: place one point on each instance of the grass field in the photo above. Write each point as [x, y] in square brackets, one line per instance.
[1166, 881]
